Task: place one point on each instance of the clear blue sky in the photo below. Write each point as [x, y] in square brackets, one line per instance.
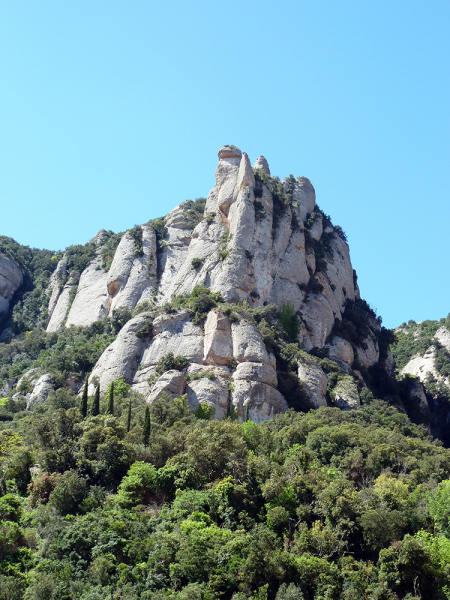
[112, 112]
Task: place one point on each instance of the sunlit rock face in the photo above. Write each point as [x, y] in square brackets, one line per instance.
[259, 241]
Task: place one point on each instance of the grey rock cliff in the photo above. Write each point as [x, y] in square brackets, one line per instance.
[10, 280]
[257, 243]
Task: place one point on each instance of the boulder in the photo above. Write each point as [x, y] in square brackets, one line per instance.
[41, 390]
[257, 401]
[341, 349]
[217, 340]
[313, 381]
[205, 390]
[171, 383]
[248, 345]
[258, 372]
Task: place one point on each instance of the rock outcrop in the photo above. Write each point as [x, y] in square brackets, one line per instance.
[313, 381]
[11, 279]
[260, 241]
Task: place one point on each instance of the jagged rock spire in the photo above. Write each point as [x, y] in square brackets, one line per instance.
[261, 163]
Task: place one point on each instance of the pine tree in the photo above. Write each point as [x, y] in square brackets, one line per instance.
[84, 398]
[96, 403]
[110, 410]
[146, 428]
[129, 416]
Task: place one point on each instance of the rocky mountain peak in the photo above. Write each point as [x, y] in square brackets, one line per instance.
[256, 243]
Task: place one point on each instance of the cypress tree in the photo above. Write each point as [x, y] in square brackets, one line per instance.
[129, 416]
[84, 398]
[110, 410]
[96, 403]
[146, 429]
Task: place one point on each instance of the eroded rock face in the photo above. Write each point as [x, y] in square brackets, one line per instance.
[341, 349]
[10, 280]
[248, 345]
[121, 358]
[91, 302]
[41, 390]
[261, 163]
[421, 366]
[252, 246]
[257, 401]
[313, 380]
[253, 371]
[61, 306]
[244, 250]
[171, 383]
[369, 354]
[132, 278]
[177, 334]
[217, 342]
[418, 392]
[211, 391]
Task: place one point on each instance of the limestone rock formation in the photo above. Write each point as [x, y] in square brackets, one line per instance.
[10, 280]
[260, 241]
[121, 358]
[341, 349]
[41, 390]
[256, 244]
[171, 383]
[313, 380]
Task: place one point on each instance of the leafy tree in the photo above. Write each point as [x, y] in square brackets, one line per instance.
[138, 485]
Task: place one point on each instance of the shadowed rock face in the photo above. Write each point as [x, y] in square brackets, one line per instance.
[256, 243]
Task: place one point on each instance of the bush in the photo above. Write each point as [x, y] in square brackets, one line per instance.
[290, 322]
[142, 307]
[138, 485]
[169, 362]
[68, 493]
[197, 263]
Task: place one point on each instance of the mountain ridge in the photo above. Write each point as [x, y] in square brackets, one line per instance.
[255, 265]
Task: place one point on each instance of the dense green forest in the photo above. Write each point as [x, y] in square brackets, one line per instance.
[321, 505]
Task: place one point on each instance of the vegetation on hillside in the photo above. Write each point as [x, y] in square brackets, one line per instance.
[328, 504]
[415, 338]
